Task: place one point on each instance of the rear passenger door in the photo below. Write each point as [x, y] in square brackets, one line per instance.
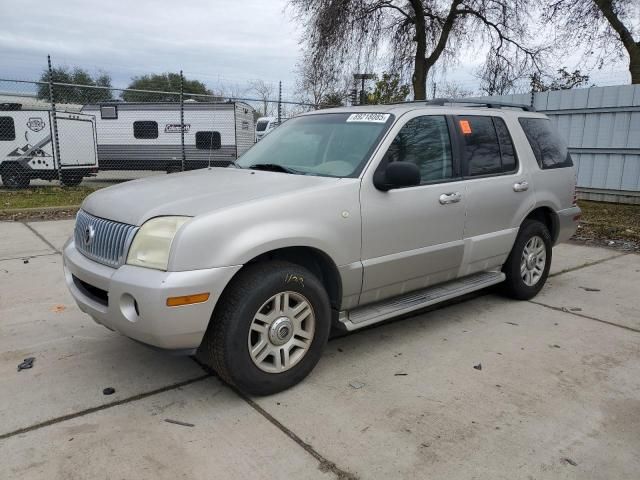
[498, 190]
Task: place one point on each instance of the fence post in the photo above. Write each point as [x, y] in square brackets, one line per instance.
[279, 102]
[54, 123]
[182, 118]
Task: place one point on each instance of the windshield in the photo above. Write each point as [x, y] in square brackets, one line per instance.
[261, 125]
[331, 144]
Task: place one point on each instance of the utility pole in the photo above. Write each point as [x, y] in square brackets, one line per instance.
[279, 102]
[363, 77]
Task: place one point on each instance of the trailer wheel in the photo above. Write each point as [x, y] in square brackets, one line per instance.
[15, 177]
[71, 179]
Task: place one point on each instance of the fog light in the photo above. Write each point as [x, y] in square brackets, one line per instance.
[187, 299]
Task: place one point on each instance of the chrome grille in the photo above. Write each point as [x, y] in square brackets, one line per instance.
[104, 241]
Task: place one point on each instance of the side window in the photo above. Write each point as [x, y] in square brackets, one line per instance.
[424, 141]
[108, 112]
[208, 140]
[480, 149]
[507, 151]
[549, 149]
[145, 129]
[7, 129]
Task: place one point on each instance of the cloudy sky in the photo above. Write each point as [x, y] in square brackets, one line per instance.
[216, 41]
[224, 43]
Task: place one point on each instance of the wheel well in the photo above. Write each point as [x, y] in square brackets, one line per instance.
[318, 262]
[548, 217]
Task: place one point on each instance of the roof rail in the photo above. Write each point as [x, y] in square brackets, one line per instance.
[487, 103]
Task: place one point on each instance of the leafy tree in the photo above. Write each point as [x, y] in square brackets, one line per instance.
[163, 83]
[389, 89]
[600, 25]
[75, 94]
[565, 81]
[333, 99]
[414, 35]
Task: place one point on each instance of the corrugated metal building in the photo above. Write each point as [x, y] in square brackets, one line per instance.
[602, 128]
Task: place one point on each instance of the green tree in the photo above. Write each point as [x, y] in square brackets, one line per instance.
[333, 99]
[163, 82]
[389, 89]
[76, 91]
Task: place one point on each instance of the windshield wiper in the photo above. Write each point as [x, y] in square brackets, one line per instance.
[273, 167]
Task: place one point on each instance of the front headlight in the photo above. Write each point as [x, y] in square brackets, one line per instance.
[151, 245]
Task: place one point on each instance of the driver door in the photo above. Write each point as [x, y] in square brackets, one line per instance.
[412, 237]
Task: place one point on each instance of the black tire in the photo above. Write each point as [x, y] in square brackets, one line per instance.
[71, 179]
[15, 178]
[225, 347]
[515, 285]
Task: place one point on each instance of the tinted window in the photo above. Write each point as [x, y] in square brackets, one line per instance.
[425, 142]
[208, 140]
[145, 129]
[480, 149]
[261, 125]
[7, 129]
[549, 149]
[506, 145]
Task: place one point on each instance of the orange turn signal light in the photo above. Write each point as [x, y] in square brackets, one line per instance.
[187, 299]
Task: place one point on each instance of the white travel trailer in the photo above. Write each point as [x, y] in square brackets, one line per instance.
[28, 152]
[264, 125]
[147, 136]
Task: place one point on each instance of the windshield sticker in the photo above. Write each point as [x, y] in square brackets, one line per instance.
[368, 117]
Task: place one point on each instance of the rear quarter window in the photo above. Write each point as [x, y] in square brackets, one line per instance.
[548, 147]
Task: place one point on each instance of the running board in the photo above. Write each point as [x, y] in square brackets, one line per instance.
[396, 306]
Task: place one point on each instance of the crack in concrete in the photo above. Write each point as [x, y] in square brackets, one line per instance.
[582, 315]
[588, 264]
[105, 406]
[23, 257]
[41, 237]
[324, 464]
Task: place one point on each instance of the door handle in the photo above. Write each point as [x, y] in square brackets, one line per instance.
[447, 198]
[521, 186]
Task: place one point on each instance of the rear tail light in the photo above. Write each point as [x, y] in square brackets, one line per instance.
[575, 192]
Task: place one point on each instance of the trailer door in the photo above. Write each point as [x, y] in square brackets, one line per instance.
[76, 137]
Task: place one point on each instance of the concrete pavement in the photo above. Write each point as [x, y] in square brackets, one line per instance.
[557, 395]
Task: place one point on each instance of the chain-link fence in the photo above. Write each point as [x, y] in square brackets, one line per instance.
[68, 135]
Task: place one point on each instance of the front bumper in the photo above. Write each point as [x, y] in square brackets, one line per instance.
[567, 223]
[132, 300]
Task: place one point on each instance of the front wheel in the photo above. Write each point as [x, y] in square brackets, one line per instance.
[527, 266]
[269, 329]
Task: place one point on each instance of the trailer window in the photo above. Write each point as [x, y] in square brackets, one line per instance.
[108, 112]
[7, 129]
[145, 129]
[208, 140]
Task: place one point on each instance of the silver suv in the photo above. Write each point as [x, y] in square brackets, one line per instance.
[343, 217]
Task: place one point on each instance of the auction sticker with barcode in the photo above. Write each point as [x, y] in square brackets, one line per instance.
[368, 117]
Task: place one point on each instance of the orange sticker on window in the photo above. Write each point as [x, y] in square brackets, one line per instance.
[465, 126]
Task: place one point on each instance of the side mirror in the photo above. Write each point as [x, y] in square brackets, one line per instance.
[397, 175]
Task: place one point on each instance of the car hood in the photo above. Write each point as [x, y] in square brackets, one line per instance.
[192, 193]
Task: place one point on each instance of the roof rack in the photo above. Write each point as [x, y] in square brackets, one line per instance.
[487, 103]
[440, 102]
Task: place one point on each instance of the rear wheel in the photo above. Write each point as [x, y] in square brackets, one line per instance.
[269, 329]
[527, 266]
[15, 177]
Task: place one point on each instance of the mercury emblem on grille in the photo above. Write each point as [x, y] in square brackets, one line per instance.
[89, 233]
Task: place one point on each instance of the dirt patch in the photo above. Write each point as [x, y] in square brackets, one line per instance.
[611, 225]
